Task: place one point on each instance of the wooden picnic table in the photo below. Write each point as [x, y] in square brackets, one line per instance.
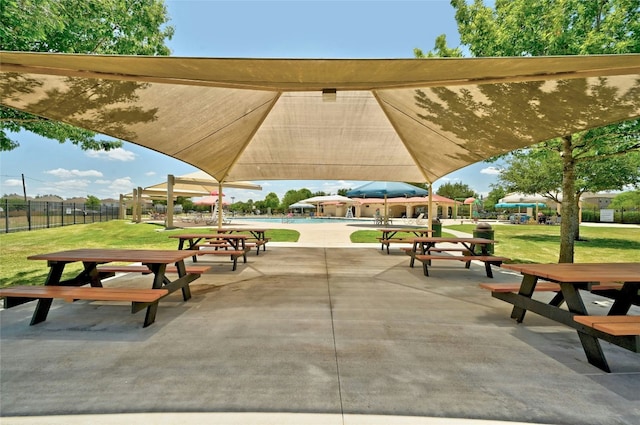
[214, 244]
[72, 289]
[426, 249]
[258, 234]
[571, 278]
[389, 235]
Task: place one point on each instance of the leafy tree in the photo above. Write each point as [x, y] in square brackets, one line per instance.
[93, 202]
[441, 50]
[186, 202]
[458, 190]
[77, 26]
[292, 196]
[626, 200]
[567, 27]
[497, 192]
[271, 201]
[242, 207]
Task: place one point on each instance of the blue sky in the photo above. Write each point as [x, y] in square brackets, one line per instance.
[250, 29]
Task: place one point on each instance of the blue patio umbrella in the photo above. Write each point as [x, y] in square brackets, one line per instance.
[386, 190]
[519, 205]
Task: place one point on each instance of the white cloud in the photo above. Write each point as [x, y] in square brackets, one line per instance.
[122, 185]
[150, 173]
[100, 181]
[65, 174]
[333, 186]
[493, 171]
[66, 188]
[12, 182]
[117, 154]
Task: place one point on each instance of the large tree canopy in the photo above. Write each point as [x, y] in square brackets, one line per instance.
[575, 162]
[134, 27]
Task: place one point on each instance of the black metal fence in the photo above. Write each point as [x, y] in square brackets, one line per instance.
[18, 216]
[623, 215]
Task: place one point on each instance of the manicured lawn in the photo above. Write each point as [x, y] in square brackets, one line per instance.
[16, 247]
[541, 244]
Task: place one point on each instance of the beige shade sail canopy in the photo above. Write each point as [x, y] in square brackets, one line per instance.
[358, 119]
[197, 183]
[194, 184]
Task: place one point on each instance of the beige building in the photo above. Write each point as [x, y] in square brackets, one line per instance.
[398, 207]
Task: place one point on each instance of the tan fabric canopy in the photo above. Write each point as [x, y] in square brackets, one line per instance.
[194, 184]
[260, 119]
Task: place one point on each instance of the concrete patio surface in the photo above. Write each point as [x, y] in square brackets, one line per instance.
[315, 332]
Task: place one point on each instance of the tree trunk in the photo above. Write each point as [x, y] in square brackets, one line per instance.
[569, 210]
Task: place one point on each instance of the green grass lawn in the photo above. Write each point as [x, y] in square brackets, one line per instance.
[16, 247]
[541, 244]
[526, 243]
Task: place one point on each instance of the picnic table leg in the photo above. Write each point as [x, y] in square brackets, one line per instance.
[622, 304]
[91, 271]
[192, 246]
[182, 271]
[526, 289]
[487, 267]
[471, 250]
[414, 251]
[590, 343]
[44, 304]
[150, 315]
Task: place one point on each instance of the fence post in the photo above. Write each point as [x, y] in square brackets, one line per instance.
[6, 215]
[29, 215]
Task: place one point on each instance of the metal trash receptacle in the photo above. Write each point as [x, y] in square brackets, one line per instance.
[437, 229]
[484, 230]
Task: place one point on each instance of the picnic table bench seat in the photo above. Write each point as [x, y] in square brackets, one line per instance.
[110, 269]
[544, 286]
[603, 289]
[488, 261]
[234, 254]
[387, 242]
[140, 298]
[251, 242]
[515, 287]
[613, 325]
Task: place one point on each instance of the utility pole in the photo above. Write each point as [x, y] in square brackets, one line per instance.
[28, 207]
[24, 188]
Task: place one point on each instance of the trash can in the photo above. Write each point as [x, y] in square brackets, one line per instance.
[484, 230]
[437, 229]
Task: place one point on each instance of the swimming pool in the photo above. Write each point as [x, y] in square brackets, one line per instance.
[303, 220]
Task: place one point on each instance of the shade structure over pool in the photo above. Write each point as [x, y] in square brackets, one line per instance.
[412, 120]
[302, 206]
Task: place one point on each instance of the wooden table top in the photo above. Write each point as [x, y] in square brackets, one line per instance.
[208, 236]
[581, 272]
[148, 256]
[473, 241]
[241, 229]
[405, 229]
[227, 236]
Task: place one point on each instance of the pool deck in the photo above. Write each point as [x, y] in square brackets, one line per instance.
[326, 333]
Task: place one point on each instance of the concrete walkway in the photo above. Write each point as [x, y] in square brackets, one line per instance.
[311, 335]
